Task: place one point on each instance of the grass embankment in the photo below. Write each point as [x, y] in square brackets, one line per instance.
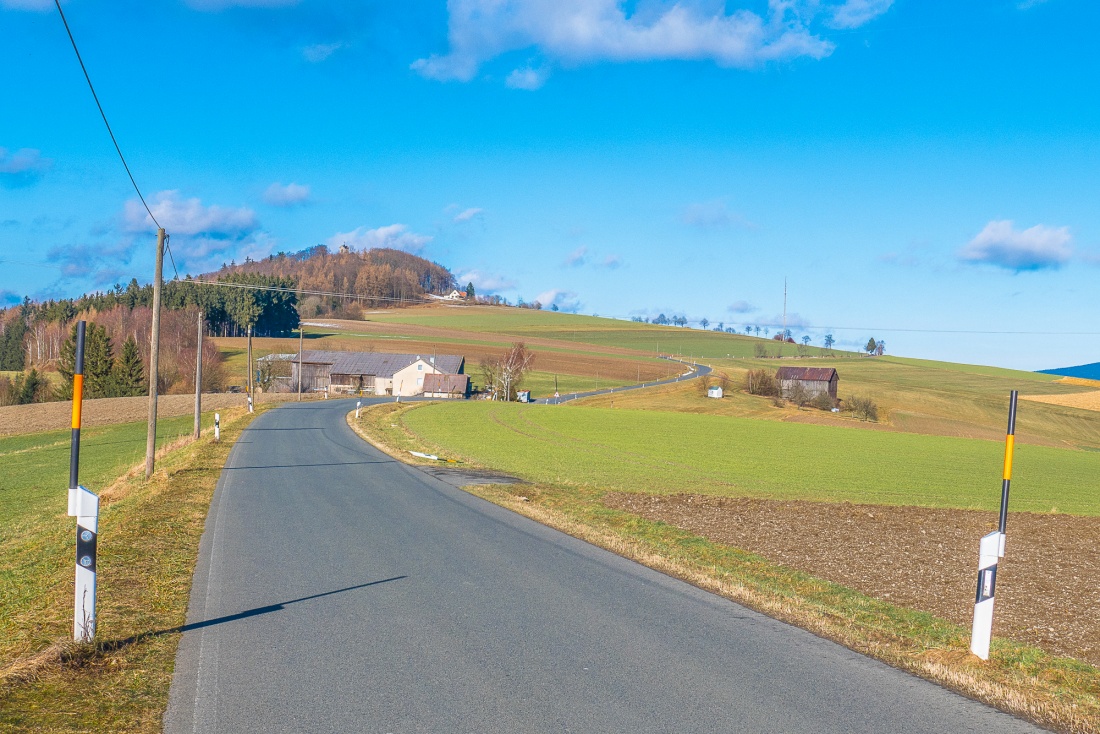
[148, 545]
[574, 456]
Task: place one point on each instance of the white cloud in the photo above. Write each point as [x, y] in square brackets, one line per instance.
[486, 282]
[1036, 248]
[289, 195]
[318, 52]
[564, 300]
[527, 78]
[740, 307]
[467, 214]
[589, 31]
[22, 167]
[189, 217]
[712, 215]
[611, 262]
[855, 13]
[577, 257]
[393, 236]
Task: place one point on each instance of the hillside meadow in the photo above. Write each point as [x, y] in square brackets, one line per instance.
[666, 453]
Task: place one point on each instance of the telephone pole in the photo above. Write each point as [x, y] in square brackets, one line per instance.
[154, 358]
[198, 378]
[300, 327]
[251, 384]
[783, 339]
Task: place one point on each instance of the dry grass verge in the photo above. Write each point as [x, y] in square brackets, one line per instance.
[1056, 692]
[149, 537]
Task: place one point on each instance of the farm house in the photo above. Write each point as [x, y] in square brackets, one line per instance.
[371, 373]
[815, 380]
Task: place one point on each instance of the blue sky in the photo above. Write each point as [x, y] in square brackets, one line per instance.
[921, 172]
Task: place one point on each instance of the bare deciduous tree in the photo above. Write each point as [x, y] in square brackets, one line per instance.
[503, 375]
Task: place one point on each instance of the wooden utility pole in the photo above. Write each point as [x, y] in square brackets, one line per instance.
[300, 339]
[198, 378]
[783, 339]
[251, 386]
[154, 358]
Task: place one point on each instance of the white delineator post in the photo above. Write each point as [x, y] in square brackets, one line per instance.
[217, 427]
[991, 550]
[84, 506]
[358, 405]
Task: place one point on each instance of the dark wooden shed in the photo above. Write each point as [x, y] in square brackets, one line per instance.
[815, 380]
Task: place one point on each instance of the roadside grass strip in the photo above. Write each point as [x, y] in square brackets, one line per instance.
[573, 457]
[149, 538]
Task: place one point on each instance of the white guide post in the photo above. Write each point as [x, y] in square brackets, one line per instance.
[991, 550]
[85, 507]
[217, 427]
[358, 405]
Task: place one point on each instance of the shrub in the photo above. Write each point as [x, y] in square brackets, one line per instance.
[798, 394]
[823, 401]
[862, 408]
[761, 382]
[759, 350]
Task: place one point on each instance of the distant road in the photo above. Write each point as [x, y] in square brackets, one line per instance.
[692, 371]
[341, 591]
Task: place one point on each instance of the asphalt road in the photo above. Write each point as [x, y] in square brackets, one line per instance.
[691, 371]
[341, 591]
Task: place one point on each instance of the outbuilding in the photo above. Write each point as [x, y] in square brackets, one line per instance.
[714, 391]
[814, 380]
[446, 386]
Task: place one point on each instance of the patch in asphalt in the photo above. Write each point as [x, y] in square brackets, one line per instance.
[465, 477]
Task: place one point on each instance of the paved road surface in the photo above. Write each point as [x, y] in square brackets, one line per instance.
[691, 371]
[341, 591]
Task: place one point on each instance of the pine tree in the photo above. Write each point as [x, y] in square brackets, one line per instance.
[98, 361]
[871, 346]
[128, 374]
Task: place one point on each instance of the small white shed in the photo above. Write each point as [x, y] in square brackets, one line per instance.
[714, 391]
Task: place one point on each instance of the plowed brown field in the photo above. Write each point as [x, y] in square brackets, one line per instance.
[920, 558]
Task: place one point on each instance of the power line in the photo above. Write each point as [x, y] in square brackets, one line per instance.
[103, 114]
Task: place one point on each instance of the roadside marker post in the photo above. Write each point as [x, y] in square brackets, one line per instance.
[991, 549]
[217, 427]
[358, 405]
[84, 506]
[249, 403]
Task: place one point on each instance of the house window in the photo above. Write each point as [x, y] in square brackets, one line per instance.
[420, 382]
[420, 367]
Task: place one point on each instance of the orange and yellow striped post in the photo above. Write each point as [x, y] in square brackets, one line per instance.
[85, 507]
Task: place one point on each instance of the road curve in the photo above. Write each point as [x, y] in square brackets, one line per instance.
[692, 370]
[341, 591]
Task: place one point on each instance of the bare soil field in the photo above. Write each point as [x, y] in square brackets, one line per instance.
[106, 411]
[1048, 593]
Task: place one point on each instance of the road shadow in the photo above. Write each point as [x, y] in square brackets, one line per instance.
[110, 646]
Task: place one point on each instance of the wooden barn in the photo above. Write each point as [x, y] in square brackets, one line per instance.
[815, 380]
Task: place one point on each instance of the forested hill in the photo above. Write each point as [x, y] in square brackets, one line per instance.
[378, 277]
[270, 295]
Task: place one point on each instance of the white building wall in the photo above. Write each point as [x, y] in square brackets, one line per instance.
[410, 381]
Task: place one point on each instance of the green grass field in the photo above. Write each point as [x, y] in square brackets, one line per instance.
[590, 330]
[645, 451]
[36, 466]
